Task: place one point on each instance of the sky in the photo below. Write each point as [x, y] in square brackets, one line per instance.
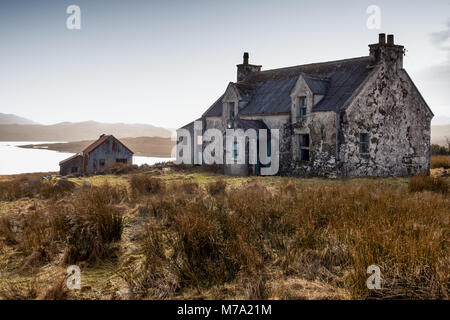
[165, 62]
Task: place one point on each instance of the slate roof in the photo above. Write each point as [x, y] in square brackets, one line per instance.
[251, 124]
[216, 109]
[268, 92]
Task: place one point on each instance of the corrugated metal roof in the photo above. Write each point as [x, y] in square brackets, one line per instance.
[70, 158]
[103, 138]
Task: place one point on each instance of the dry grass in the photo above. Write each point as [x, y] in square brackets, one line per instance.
[11, 190]
[423, 182]
[142, 184]
[188, 235]
[216, 187]
[440, 162]
[327, 234]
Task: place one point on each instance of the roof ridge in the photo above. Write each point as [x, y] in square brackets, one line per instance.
[314, 63]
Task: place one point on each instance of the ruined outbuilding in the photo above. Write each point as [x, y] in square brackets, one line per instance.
[354, 117]
[97, 157]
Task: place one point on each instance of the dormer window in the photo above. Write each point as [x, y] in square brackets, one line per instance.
[301, 107]
[231, 111]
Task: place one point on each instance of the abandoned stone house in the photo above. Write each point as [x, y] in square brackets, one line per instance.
[354, 117]
[98, 156]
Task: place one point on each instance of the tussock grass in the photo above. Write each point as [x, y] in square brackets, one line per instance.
[190, 235]
[142, 184]
[440, 162]
[216, 187]
[30, 186]
[329, 234]
[423, 182]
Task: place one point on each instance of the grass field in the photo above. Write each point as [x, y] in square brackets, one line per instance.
[184, 233]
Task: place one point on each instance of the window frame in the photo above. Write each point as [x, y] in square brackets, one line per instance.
[302, 110]
[364, 143]
[302, 148]
[231, 113]
[235, 150]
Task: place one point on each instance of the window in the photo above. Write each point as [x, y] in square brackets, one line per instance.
[121, 160]
[304, 147]
[235, 149]
[74, 170]
[301, 107]
[231, 110]
[102, 163]
[364, 143]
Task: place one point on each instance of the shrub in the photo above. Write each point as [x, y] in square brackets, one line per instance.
[423, 182]
[437, 150]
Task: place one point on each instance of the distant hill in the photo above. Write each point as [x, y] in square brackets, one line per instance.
[141, 146]
[13, 119]
[70, 131]
[439, 134]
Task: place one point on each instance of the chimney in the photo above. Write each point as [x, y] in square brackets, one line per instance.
[386, 52]
[245, 69]
[245, 58]
[390, 39]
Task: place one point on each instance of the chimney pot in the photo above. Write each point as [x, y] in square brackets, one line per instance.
[382, 38]
[390, 39]
[245, 57]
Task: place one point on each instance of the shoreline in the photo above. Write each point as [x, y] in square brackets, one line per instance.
[141, 146]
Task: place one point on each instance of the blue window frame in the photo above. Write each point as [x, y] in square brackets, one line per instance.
[301, 107]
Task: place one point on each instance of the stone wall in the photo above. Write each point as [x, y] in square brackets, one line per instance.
[392, 112]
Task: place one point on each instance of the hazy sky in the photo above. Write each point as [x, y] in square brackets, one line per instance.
[166, 62]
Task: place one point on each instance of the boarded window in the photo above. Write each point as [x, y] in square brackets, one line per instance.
[304, 147]
[363, 143]
[121, 160]
[102, 163]
[301, 107]
[231, 110]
